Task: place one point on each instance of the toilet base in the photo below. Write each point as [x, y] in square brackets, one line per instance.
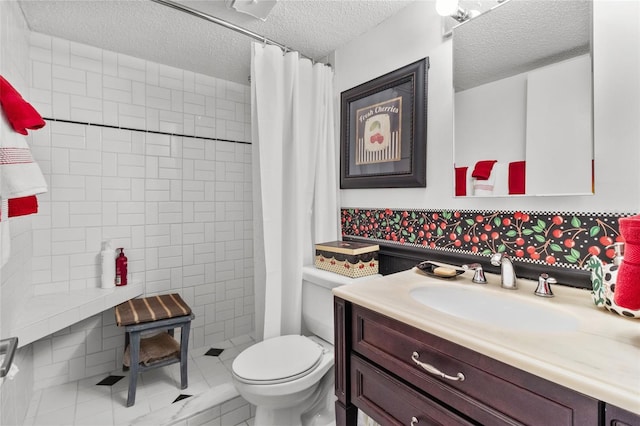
[317, 410]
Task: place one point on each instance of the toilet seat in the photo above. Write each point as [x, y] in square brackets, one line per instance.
[277, 360]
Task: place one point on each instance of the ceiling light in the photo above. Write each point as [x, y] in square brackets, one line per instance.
[452, 8]
[256, 8]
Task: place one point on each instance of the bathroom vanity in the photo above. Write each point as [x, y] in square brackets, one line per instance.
[405, 363]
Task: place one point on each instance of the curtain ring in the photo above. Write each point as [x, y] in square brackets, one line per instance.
[264, 42]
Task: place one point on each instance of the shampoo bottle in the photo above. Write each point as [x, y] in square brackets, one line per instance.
[121, 268]
[108, 262]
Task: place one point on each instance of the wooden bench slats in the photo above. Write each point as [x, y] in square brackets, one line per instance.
[153, 308]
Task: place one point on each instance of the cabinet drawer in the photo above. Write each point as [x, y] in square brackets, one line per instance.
[390, 402]
[491, 392]
[615, 416]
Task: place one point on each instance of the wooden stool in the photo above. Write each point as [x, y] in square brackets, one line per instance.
[155, 313]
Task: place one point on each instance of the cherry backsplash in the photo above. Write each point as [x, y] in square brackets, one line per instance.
[548, 238]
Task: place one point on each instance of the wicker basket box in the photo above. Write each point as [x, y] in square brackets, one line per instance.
[349, 258]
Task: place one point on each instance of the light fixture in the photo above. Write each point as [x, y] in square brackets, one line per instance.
[256, 8]
[452, 8]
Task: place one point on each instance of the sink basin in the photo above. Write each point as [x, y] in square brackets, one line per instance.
[498, 310]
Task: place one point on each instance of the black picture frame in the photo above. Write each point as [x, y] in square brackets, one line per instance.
[383, 130]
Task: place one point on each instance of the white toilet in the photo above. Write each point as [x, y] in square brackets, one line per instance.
[290, 378]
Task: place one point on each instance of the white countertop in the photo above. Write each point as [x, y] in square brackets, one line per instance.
[601, 358]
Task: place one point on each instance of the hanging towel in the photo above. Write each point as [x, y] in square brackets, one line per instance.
[483, 168]
[461, 181]
[517, 173]
[627, 290]
[23, 206]
[20, 113]
[20, 176]
[5, 237]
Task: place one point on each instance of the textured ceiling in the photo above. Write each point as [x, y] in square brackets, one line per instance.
[154, 32]
[518, 36]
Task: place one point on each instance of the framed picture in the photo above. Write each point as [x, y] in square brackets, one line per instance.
[383, 130]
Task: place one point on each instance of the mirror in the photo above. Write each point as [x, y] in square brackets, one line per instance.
[523, 106]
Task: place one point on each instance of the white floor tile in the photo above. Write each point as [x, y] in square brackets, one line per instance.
[60, 417]
[57, 397]
[84, 403]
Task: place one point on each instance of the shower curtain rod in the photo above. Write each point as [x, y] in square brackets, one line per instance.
[226, 24]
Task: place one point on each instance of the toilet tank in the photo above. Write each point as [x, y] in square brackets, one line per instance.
[317, 299]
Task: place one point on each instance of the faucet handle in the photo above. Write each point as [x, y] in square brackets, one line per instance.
[496, 258]
[478, 276]
[544, 286]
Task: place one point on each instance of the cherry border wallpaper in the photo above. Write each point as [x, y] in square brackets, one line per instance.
[548, 238]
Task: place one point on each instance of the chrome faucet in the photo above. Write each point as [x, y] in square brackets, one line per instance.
[507, 273]
[544, 285]
[478, 275]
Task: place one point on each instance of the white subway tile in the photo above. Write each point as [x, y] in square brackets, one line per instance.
[110, 113]
[131, 122]
[131, 62]
[109, 216]
[116, 95]
[85, 116]
[94, 85]
[138, 95]
[85, 51]
[41, 75]
[153, 120]
[60, 106]
[86, 64]
[109, 63]
[177, 100]
[131, 74]
[152, 73]
[189, 124]
[60, 51]
[69, 87]
[39, 40]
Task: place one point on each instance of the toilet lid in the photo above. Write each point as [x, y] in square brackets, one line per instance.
[279, 359]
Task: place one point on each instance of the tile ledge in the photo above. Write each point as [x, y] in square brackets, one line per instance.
[40, 316]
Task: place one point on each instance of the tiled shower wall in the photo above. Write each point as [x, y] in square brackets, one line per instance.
[15, 394]
[180, 205]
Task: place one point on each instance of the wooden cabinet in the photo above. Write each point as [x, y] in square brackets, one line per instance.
[401, 375]
[615, 416]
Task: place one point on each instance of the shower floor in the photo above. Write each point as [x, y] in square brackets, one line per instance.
[210, 398]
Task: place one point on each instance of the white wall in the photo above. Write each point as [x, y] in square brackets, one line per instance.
[415, 32]
[490, 122]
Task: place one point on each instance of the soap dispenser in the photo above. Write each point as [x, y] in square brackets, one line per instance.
[121, 268]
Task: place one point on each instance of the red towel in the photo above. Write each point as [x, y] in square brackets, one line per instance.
[482, 170]
[517, 173]
[23, 206]
[461, 181]
[20, 114]
[627, 290]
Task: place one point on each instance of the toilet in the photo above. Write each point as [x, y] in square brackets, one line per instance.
[290, 379]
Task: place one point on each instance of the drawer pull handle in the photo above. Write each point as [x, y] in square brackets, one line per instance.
[431, 369]
[414, 421]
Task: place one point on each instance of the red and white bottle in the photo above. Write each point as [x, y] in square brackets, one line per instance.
[121, 268]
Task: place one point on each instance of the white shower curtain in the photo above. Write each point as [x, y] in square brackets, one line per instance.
[295, 191]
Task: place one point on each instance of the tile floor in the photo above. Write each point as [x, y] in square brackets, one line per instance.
[213, 400]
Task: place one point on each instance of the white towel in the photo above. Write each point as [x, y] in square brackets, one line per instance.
[20, 176]
[5, 237]
[501, 173]
[484, 187]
